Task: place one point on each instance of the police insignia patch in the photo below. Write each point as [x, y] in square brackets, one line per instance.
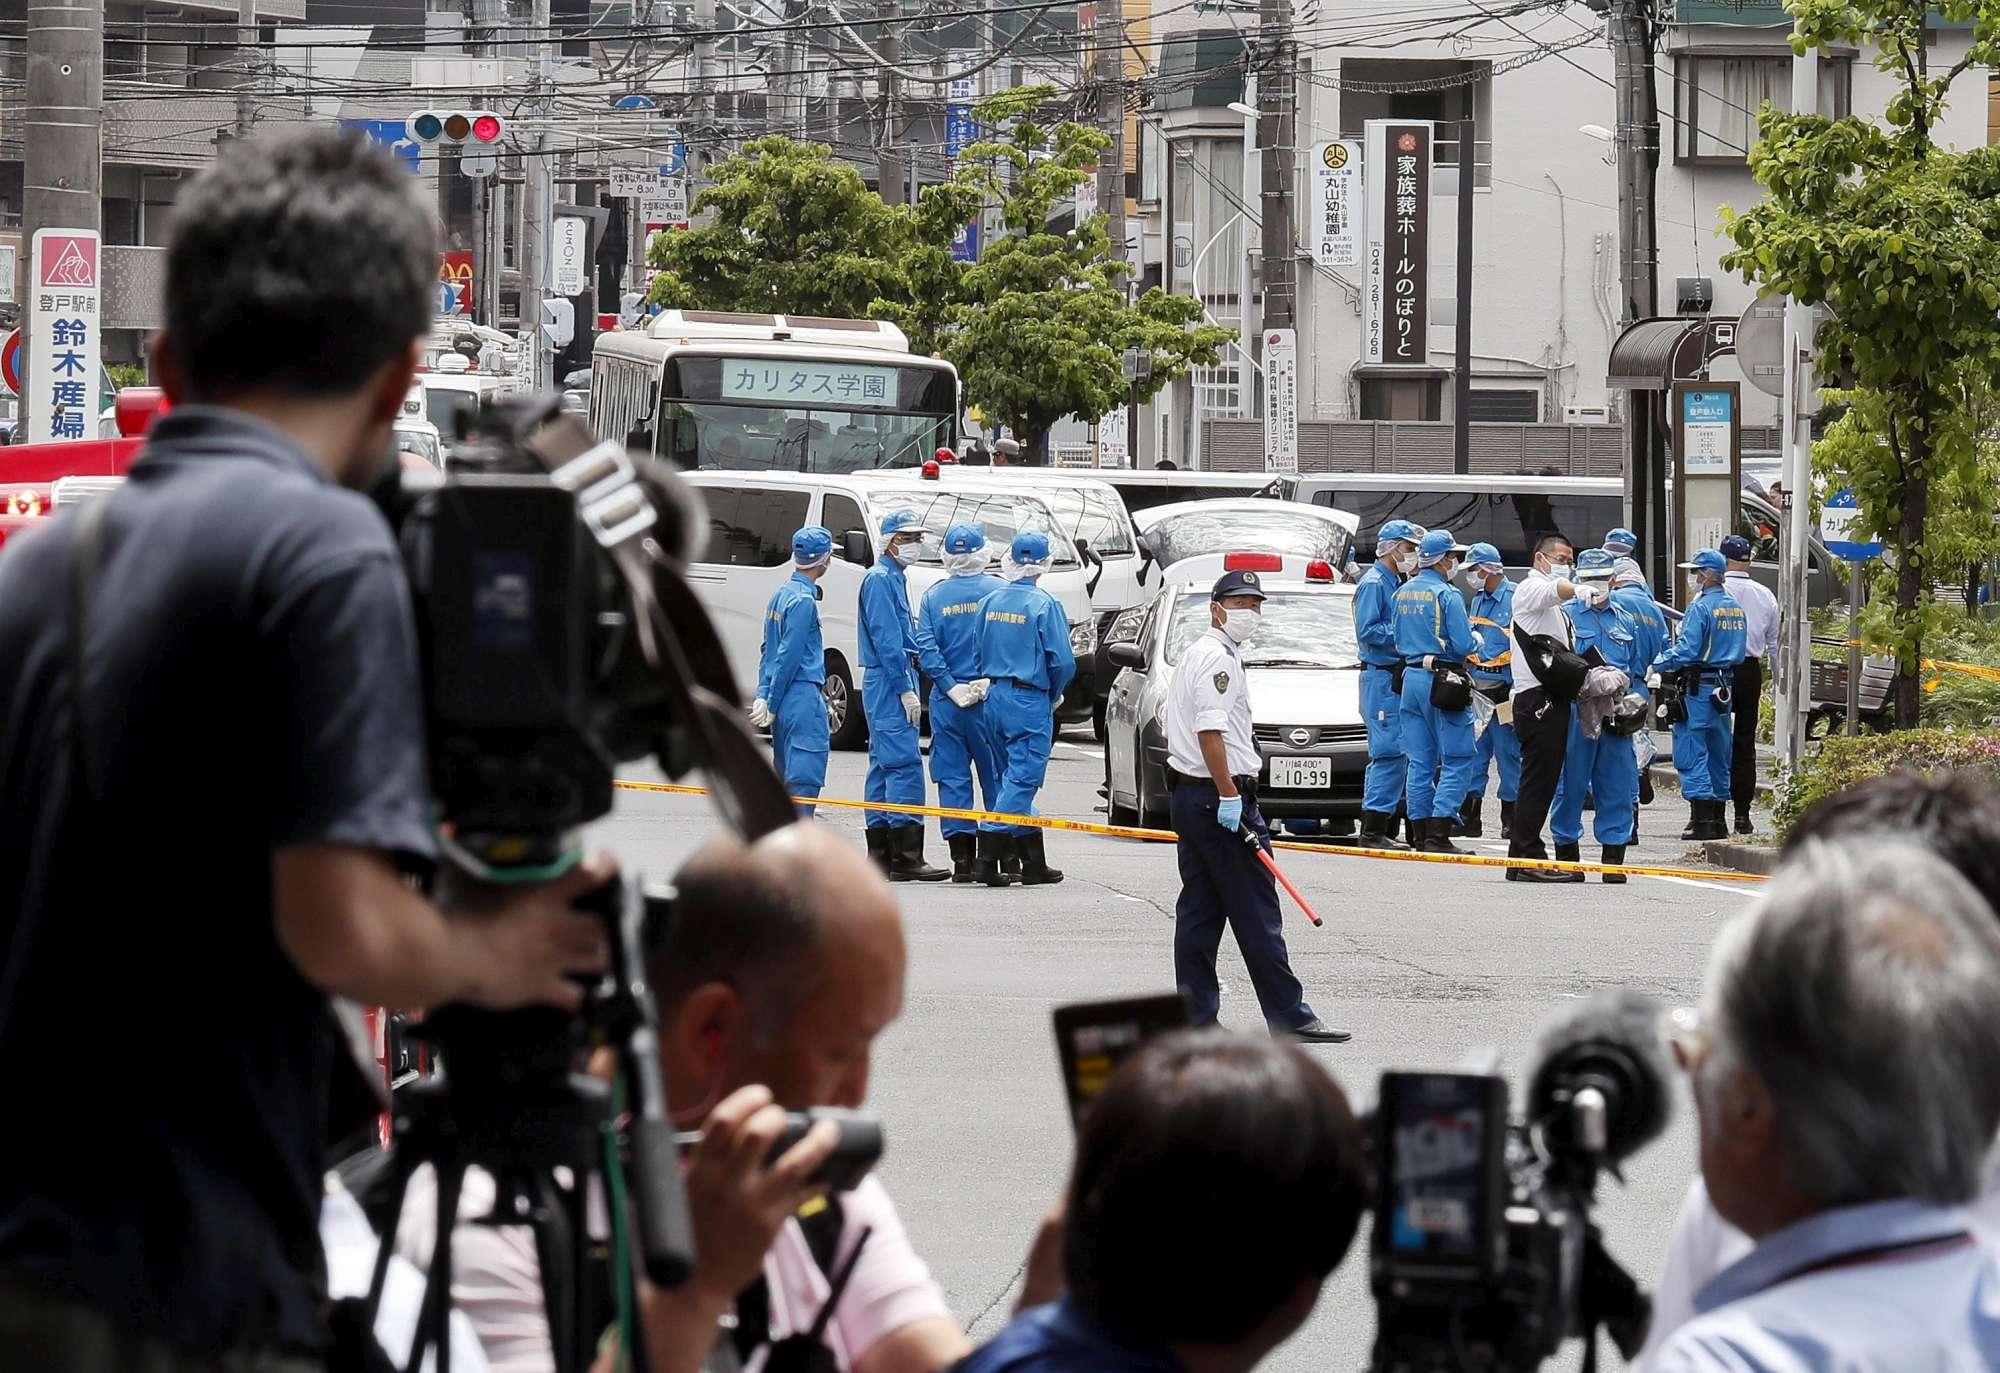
[1221, 681]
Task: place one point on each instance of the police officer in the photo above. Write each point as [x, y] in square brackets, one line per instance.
[1381, 670]
[1623, 543]
[791, 670]
[1650, 638]
[1024, 651]
[1604, 768]
[889, 698]
[1212, 763]
[948, 631]
[1492, 610]
[1433, 633]
[1704, 656]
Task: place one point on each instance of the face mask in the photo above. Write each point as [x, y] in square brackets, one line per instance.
[1560, 571]
[1239, 625]
[906, 553]
[1407, 564]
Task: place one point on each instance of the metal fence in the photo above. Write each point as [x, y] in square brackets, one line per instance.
[1573, 450]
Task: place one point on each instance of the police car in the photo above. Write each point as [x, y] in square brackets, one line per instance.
[1304, 673]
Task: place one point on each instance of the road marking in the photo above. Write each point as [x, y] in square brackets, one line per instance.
[1695, 882]
[1084, 749]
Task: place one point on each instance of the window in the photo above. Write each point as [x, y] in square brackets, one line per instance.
[1511, 522]
[1093, 515]
[752, 528]
[840, 515]
[1717, 96]
[1400, 398]
[1200, 70]
[1298, 629]
[1759, 526]
[1284, 529]
[1442, 91]
[1504, 407]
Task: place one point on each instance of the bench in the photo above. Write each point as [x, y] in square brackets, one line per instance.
[1829, 691]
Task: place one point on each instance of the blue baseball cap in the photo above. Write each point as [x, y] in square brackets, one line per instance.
[811, 544]
[1484, 553]
[1737, 548]
[1436, 544]
[1399, 529]
[1708, 560]
[1237, 584]
[899, 522]
[1622, 538]
[1029, 546]
[964, 538]
[1596, 563]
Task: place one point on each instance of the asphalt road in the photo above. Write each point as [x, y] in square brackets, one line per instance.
[1426, 963]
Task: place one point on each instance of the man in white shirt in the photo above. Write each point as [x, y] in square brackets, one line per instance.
[1212, 763]
[1541, 718]
[1760, 637]
[1845, 1118]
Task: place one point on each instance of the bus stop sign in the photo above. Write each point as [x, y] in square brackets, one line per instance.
[1839, 522]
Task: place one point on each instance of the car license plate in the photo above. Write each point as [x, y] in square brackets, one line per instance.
[1301, 774]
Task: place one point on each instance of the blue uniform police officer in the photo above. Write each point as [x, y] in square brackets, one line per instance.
[1024, 652]
[889, 698]
[1605, 768]
[1492, 611]
[1381, 672]
[1651, 637]
[1434, 639]
[948, 631]
[1703, 658]
[791, 670]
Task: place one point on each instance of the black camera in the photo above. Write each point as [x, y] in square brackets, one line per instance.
[1484, 1255]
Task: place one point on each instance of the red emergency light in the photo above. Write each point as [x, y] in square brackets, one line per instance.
[136, 407]
[946, 455]
[931, 470]
[1319, 570]
[1252, 562]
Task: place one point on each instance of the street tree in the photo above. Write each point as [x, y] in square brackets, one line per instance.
[1900, 238]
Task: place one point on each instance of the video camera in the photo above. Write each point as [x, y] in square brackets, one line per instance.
[1484, 1255]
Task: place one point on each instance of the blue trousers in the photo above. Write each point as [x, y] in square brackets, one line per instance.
[895, 762]
[799, 740]
[962, 742]
[1701, 748]
[1382, 783]
[1223, 883]
[1440, 748]
[1022, 721]
[1607, 770]
[1497, 741]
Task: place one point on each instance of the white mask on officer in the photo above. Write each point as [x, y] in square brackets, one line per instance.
[907, 551]
[1240, 625]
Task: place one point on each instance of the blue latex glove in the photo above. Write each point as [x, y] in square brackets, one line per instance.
[1229, 812]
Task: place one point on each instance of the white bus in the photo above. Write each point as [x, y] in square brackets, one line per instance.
[775, 393]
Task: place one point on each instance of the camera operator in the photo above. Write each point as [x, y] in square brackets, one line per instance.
[784, 962]
[212, 779]
[1218, 1182]
[1842, 1067]
[1956, 816]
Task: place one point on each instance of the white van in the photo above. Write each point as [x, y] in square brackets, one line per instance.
[753, 515]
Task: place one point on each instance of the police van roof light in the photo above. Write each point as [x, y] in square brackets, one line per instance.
[1319, 570]
[931, 470]
[1253, 562]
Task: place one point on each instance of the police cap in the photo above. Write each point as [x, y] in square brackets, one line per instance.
[964, 537]
[1708, 560]
[1029, 546]
[1236, 584]
[811, 544]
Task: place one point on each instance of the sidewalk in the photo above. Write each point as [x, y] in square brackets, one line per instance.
[1666, 778]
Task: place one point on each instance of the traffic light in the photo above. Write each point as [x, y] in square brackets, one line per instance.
[479, 127]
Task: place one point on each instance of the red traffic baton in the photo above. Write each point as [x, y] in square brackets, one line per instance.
[1250, 838]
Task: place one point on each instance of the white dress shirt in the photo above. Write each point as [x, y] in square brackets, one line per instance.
[1209, 693]
[1537, 610]
[1760, 613]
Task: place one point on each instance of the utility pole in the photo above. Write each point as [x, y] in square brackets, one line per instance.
[1110, 44]
[247, 55]
[1637, 147]
[62, 127]
[1461, 381]
[891, 172]
[539, 213]
[1793, 682]
[1277, 133]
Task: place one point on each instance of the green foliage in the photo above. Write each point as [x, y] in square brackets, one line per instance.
[1901, 239]
[1842, 762]
[123, 374]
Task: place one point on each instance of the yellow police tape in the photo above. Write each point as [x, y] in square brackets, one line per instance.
[1050, 822]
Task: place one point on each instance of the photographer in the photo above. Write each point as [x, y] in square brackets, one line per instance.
[784, 963]
[1842, 1067]
[1218, 1182]
[213, 780]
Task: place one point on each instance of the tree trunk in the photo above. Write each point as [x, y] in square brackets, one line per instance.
[1910, 578]
[1035, 447]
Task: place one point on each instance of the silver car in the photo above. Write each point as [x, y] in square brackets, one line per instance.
[1304, 674]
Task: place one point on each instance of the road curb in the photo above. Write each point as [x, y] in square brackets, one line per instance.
[1761, 859]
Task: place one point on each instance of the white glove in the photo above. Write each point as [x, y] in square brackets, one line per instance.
[760, 713]
[1592, 595]
[913, 709]
[981, 684]
[965, 695]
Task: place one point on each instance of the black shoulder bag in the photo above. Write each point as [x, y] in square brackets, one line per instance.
[1555, 664]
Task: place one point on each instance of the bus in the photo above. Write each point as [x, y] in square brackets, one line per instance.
[776, 393]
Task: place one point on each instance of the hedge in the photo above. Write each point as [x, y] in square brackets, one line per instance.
[1841, 762]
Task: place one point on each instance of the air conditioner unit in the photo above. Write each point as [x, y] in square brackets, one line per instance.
[1586, 414]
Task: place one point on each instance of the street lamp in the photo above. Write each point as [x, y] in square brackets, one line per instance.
[1601, 134]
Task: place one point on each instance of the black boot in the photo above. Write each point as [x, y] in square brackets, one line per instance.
[1469, 822]
[1035, 869]
[1506, 819]
[1635, 822]
[1543, 875]
[1614, 854]
[1697, 820]
[962, 847]
[1437, 835]
[1375, 831]
[1010, 862]
[1718, 821]
[989, 858]
[1645, 786]
[906, 856]
[1743, 821]
[878, 846]
[1570, 853]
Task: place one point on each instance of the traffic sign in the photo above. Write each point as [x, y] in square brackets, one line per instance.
[677, 154]
[1839, 522]
[479, 162]
[447, 298]
[633, 182]
[10, 362]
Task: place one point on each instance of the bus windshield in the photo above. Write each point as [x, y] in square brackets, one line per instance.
[806, 415]
[1001, 514]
